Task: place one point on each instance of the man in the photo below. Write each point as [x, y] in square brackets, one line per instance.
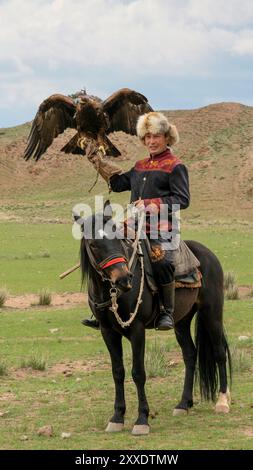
[157, 182]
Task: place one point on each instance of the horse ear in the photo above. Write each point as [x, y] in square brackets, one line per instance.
[79, 220]
[107, 209]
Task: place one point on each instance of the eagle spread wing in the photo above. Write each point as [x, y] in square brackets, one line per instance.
[92, 118]
[123, 108]
[54, 115]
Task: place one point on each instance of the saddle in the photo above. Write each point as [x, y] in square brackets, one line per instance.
[186, 265]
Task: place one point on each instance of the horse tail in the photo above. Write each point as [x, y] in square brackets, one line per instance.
[207, 366]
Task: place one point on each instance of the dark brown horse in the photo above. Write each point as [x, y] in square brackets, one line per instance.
[105, 263]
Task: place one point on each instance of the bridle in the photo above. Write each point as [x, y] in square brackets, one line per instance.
[115, 291]
[116, 257]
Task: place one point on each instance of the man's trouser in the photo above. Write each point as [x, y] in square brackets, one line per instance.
[162, 261]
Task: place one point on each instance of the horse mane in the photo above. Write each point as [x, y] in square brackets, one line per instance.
[85, 262]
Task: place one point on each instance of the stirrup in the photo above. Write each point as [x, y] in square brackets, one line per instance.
[91, 323]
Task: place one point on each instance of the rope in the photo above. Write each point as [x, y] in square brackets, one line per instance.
[136, 241]
[114, 307]
[95, 182]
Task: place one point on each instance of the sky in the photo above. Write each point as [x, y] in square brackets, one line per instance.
[181, 54]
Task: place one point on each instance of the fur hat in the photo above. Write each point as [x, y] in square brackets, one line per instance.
[156, 123]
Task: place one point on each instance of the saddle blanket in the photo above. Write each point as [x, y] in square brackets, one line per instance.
[186, 265]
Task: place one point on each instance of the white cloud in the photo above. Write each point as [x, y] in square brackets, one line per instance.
[42, 40]
[137, 35]
[232, 13]
[243, 45]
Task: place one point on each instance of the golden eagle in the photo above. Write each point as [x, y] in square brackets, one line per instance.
[93, 119]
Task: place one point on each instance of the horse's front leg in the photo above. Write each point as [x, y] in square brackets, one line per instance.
[113, 341]
[137, 338]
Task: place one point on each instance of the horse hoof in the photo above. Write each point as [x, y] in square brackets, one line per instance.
[114, 427]
[180, 411]
[140, 429]
[222, 405]
[222, 409]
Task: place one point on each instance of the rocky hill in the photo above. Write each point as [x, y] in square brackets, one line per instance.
[216, 143]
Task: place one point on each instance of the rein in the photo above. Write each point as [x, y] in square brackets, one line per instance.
[114, 307]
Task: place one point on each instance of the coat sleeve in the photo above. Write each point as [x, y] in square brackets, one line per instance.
[179, 188]
[121, 182]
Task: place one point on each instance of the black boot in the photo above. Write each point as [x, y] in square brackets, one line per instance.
[165, 320]
[91, 323]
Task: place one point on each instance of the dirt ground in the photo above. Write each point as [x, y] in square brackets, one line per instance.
[66, 300]
[69, 300]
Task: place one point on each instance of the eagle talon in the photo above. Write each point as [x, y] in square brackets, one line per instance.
[81, 142]
[102, 149]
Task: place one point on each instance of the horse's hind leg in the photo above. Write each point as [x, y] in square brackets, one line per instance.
[220, 347]
[216, 354]
[184, 339]
[137, 338]
[113, 341]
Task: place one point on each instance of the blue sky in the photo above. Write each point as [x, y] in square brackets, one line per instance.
[182, 54]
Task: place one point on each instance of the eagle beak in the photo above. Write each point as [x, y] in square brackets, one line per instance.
[102, 149]
[82, 143]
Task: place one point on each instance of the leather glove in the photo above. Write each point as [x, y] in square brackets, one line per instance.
[104, 166]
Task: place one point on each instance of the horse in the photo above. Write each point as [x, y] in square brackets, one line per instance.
[114, 292]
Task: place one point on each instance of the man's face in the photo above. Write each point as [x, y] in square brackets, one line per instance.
[156, 143]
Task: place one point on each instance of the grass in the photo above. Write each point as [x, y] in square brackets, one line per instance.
[232, 293]
[24, 267]
[3, 296]
[230, 288]
[251, 292]
[242, 359]
[229, 280]
[3, 368]
[156, 361]
[36, 362]
[233, 247]
[34, 398]
[45, 297]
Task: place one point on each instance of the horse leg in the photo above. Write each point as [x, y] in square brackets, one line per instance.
[137, 338]
[184, 339]
[224, 400]
[220, 349]
[113, 341]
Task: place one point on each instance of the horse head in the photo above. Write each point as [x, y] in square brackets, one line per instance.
[102, 248]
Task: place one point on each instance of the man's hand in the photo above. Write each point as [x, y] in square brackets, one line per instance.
[139, 204]
[151, 207]
[104, 166]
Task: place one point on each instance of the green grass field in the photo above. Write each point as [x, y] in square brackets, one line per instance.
[81, 402]
[33, 255]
